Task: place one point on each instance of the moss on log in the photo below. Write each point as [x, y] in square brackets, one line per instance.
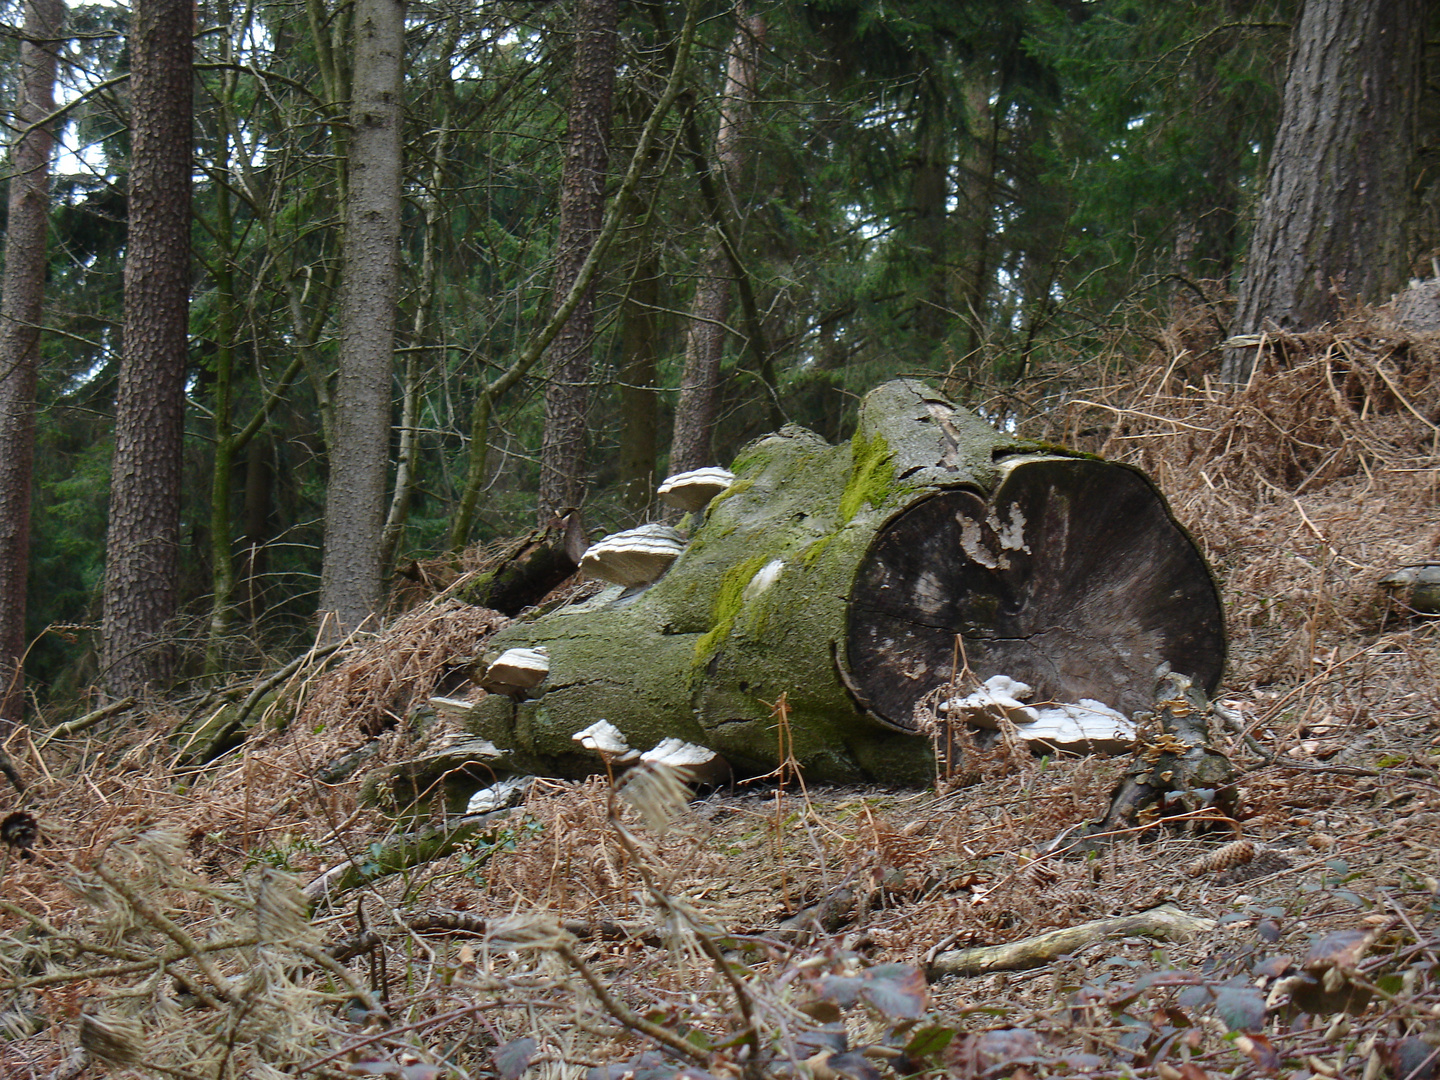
[840, 576]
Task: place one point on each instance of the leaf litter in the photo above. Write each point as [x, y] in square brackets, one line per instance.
[159, 928]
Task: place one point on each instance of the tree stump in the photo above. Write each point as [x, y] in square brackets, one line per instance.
[848, 578]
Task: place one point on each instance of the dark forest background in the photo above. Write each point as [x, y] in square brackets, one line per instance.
[1007, 198]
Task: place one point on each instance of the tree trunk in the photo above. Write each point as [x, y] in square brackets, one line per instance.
[1334, 219]
[407, 460]
[222, 555]
[978, 183]
[259, 489]
[582, 206]
[143, 543]
[351, 581]
[699, 404]
[929, 194]
[640, 379]
[854, 579]
[21, 305]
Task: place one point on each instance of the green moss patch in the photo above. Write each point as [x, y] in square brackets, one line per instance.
[728, 600]
[872, 475]
[739, 487]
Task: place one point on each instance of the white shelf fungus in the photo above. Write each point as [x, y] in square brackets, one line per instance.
[693, 490]
[1088, 726]
[516, 669]
[634, 557]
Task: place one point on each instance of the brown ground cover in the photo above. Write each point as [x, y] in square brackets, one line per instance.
[159, 930]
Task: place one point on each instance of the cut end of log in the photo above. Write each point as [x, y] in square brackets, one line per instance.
[1072, 578]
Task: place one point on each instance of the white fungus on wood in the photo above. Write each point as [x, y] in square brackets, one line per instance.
[692, 764]
[516, 669]
[634, 557]
[1000, 698]
[1088, 726]
[508, 792]
[606, 740]
[455, 708]
[693, 490]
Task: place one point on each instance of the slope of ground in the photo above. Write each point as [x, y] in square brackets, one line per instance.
[158, 929]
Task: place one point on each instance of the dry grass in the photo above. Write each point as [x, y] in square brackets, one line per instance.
[158, 925]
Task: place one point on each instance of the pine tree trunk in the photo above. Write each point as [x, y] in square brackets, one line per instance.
[640, 380]
[582, 206]
[855, 579]
[21, 305]
[929, 194]
[978, 169]
[1334, 219]
[699, 404]
[351, 583]
[143, 542]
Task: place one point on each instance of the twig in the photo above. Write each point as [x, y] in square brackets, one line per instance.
[89, 720]
[155, 918]
[621, 1012]
[1166, 922]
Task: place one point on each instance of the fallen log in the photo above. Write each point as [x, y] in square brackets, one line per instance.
[843, 577]
[536, 564]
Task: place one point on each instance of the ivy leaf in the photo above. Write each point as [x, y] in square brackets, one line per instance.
[928, 1041]
[514, 1057]
[830, 1037]
[1240, 1008]
[841, 989]
[895, 990]
[1258, 1049]
[852, 1066]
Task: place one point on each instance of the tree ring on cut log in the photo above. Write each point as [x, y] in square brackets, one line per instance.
[1072, 577]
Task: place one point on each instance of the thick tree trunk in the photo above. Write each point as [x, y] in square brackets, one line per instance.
[20, 310]
[582, 206]
[699, 403]
[351, 581]
[1333, 220]
[143, 543]
[853, 578]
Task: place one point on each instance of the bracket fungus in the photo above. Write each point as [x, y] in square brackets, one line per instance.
[693, 490]
[634, 557]
[516, 670]
[1088, 726]
[606, 740]
[691, 764]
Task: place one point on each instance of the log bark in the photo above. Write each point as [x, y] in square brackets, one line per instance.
[843, 576]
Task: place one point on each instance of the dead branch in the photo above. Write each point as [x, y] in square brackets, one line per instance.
[1166, 922]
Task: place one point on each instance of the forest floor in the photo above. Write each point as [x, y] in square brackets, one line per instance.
[159, 928]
